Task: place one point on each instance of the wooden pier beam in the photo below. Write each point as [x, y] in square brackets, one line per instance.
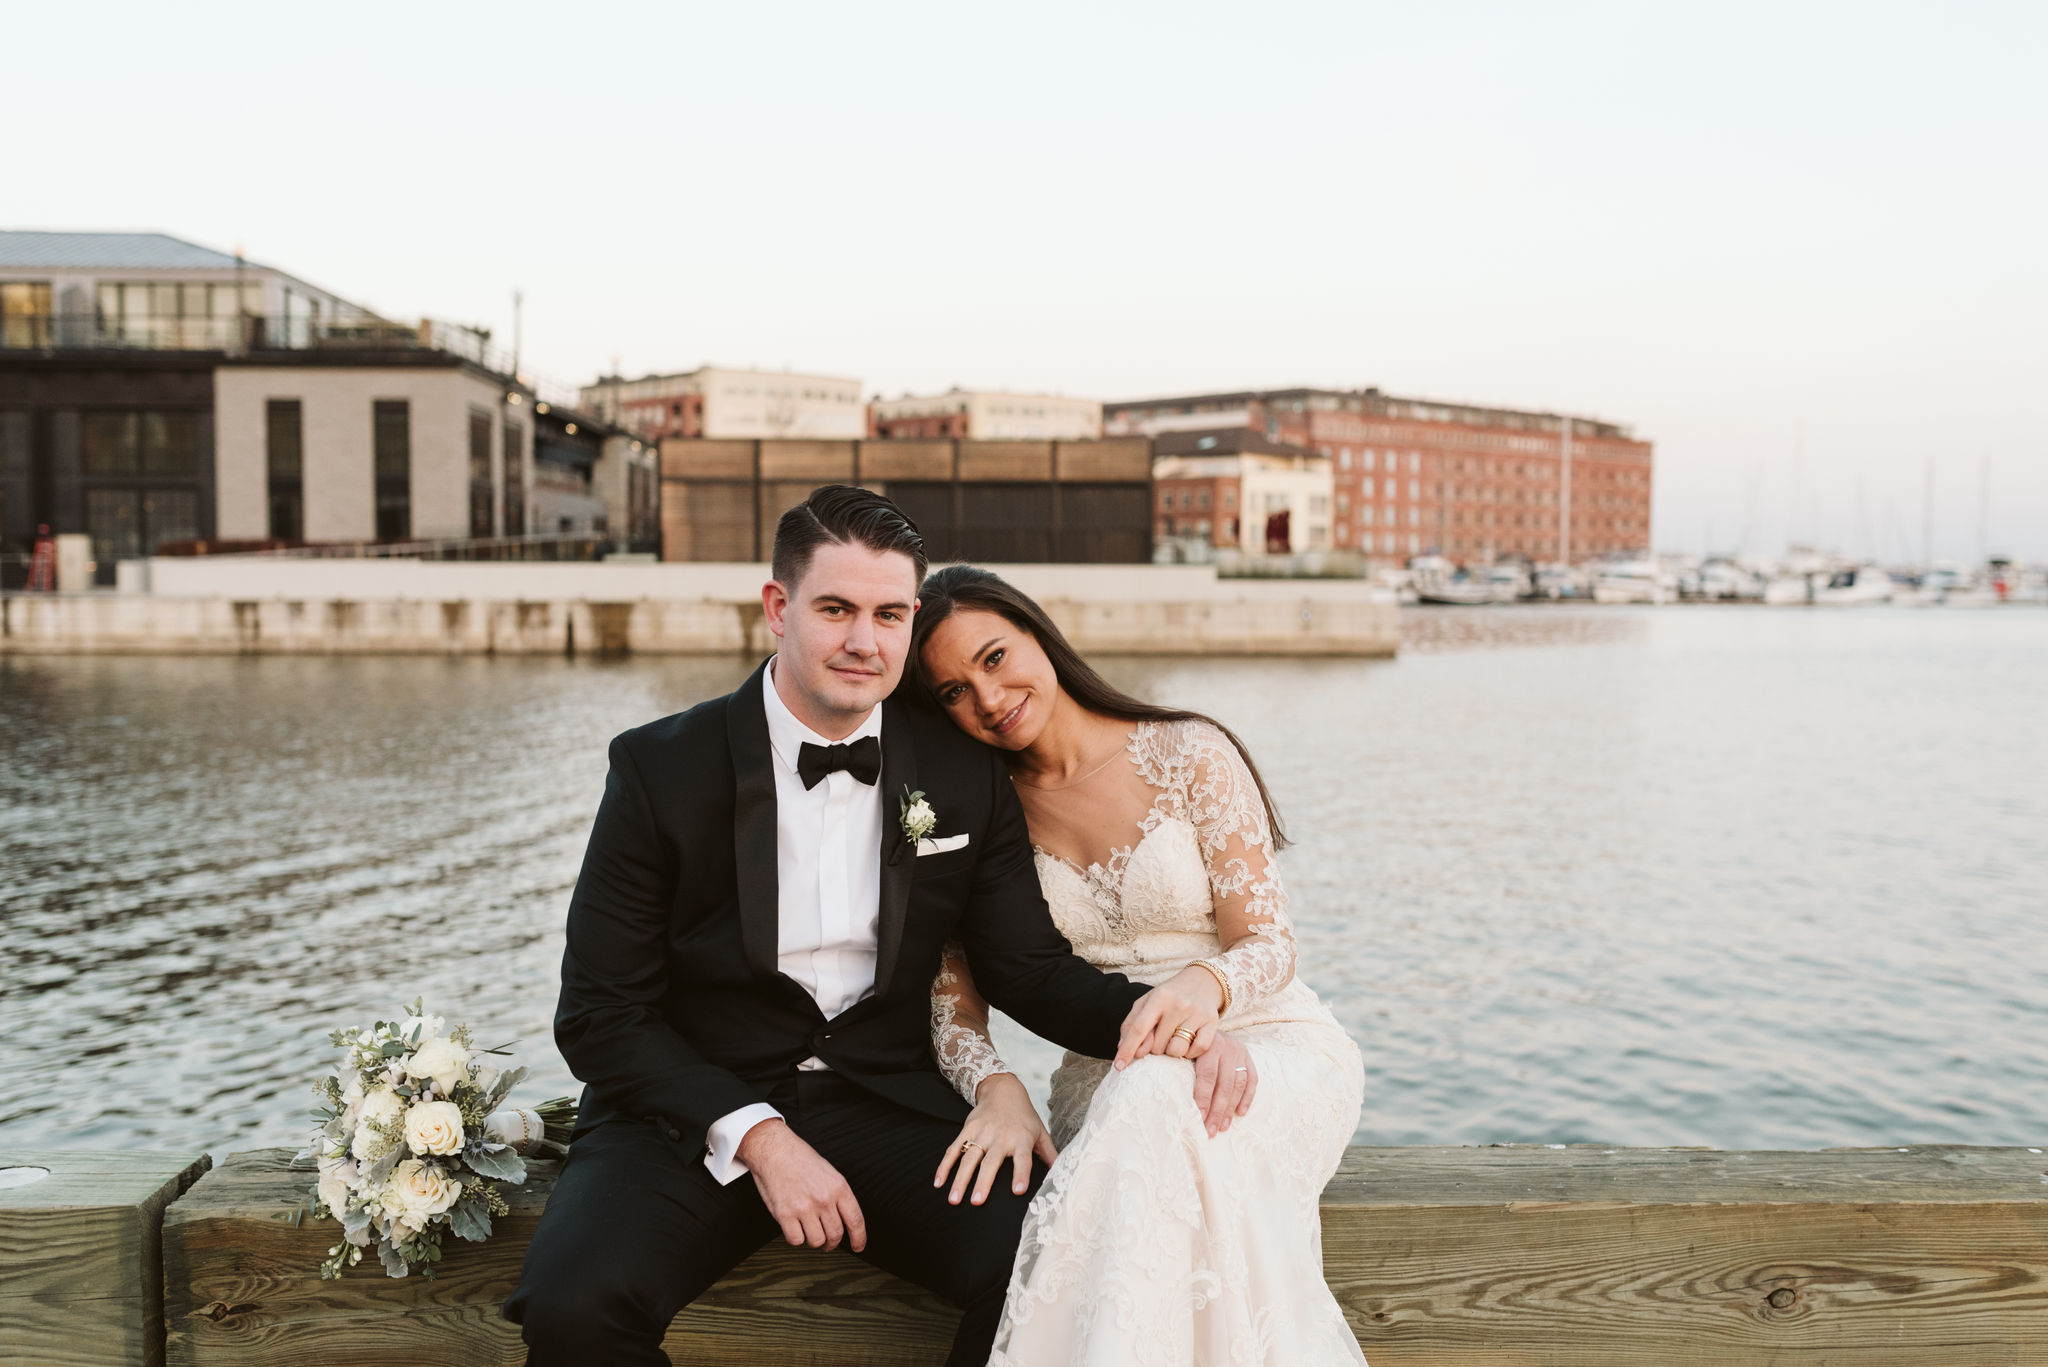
[81, 1281]
[1480, 1257]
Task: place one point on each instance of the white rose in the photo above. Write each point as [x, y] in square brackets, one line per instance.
[428, 1027]
[333, 1189]
[381, 1106]
[442, 1060]
[921, 814]
[434, 1127]
[418, 1191]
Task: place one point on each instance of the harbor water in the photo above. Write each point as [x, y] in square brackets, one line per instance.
[1717, 876]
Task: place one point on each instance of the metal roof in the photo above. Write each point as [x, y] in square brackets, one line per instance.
[106, 251]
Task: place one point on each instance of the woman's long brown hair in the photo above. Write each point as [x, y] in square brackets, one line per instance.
[964, 586]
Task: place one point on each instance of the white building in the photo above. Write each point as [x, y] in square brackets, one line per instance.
[61, 290]
[715, 401]
[989, 415]
[1237, 490]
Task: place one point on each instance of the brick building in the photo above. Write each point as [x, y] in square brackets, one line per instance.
[1411, 476]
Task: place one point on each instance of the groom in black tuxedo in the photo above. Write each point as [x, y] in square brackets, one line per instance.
[746, 990]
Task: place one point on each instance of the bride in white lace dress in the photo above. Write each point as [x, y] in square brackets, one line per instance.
[1162, 1235]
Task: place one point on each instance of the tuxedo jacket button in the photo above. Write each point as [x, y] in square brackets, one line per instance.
[674, 1133]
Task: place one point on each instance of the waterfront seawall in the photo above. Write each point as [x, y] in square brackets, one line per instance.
[247, 606]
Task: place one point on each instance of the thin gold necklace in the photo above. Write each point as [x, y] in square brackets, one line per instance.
[1074, 782]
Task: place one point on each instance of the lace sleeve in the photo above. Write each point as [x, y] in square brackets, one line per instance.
[960, 1041]
[1244, 879]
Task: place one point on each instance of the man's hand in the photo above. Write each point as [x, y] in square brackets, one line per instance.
[805, 1194]
[1225, 1079]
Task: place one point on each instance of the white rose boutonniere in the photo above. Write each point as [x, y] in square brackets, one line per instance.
[917, 816]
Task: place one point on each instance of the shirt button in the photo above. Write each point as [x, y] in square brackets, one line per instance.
[674, 1133]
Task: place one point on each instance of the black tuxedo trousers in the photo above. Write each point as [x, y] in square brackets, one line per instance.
[673, 1013]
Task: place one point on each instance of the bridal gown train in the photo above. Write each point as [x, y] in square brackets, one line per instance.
[1151, 1242]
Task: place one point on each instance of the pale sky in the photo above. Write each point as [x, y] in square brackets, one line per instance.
[1799, 247]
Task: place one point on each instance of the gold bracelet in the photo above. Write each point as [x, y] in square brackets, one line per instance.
[1221, 982]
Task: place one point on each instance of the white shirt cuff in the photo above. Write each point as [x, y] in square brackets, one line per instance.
[723, 1140]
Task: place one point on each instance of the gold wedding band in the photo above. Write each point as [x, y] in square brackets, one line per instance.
[967, 1144]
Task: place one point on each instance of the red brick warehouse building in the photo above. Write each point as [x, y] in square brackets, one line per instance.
[1413, 476]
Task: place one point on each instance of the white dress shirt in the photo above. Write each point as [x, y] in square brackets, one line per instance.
[828, 864]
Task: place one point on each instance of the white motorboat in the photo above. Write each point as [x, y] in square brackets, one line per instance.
[1859, 586]
[1631, 581]
[1789, 590]
[1438, 581]
[1509, 582]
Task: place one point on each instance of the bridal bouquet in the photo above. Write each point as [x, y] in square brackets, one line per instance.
[410, 1145]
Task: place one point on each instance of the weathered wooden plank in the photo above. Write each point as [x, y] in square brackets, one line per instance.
[81, 1277]
[242, 1288]
[1592, 1257]
[1497, 1257]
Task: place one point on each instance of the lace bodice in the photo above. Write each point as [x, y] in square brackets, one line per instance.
[1199, 882]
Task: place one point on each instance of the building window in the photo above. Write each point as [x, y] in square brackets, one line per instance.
[1343, 458]
[1166, 500]
[25, 314]
[1368, 486]
[1343, 503]
[515, 479]
[479, 472]
[1202, 499]
[1415, 488]
[1366, 463]
[392, 425]
[1319, 504]
[1414, 460]
[141, 443]
[1230, 499]
[285, 455]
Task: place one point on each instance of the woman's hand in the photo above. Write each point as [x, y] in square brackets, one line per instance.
[1186, 1002]
[1003, 1124]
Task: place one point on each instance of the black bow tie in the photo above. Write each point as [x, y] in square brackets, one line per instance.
[862, 759]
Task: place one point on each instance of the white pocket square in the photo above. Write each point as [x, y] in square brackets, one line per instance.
[941, 845]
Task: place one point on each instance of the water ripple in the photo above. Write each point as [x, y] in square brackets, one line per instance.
[1690, 876]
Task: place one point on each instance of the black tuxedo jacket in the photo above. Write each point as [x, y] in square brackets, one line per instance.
[672, 1008]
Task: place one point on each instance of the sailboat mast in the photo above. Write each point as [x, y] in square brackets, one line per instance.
[1564, 508]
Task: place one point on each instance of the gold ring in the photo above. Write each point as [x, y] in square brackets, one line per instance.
[968, 1144]
[1185, 1033]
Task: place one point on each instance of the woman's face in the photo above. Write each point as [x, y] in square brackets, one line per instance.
[991, 678]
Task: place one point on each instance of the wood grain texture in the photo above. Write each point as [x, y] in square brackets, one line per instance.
[81, 1277]
[1496, 1257]
[243, 1288]
[1597, 1257]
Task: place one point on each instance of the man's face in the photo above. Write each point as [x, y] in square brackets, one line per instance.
[845, 628]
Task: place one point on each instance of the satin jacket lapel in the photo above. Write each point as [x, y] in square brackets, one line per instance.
[899, 774]
[753, 824]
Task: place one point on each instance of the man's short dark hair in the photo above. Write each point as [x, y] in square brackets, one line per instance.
[844, 514]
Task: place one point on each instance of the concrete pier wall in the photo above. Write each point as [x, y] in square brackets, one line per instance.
[225, 605]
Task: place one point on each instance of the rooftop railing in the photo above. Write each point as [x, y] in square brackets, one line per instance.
[240, 334]
[544, 546]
